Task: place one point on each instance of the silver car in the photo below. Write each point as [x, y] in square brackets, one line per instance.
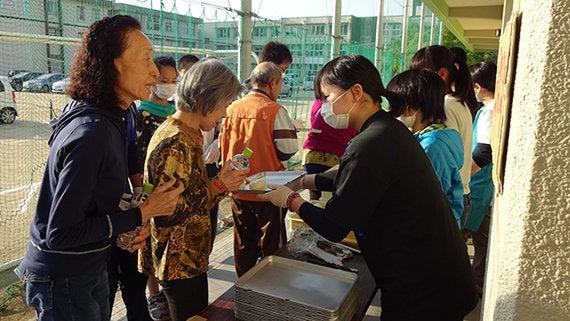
[43, 83]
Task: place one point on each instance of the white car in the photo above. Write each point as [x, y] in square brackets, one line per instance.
[8, 110]
[60, 86]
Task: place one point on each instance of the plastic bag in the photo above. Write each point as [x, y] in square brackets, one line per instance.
[303, 239]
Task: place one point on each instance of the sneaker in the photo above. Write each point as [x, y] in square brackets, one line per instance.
[158, 307]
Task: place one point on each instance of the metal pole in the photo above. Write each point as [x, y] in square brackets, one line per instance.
[405, 31]
[336, 36]
[379, 36]
[244, 44]
[432, 29]
[440, 41]
[421, 33]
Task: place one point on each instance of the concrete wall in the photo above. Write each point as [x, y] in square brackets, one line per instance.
[528, 273]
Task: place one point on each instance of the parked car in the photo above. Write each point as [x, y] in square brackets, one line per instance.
[43, 83]
[286, 88]
[8, 109]
[309, 83]
[13, 73]
[60, 86]
[18, 80]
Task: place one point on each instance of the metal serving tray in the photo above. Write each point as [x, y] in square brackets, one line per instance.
[276, 178]
[300, 283]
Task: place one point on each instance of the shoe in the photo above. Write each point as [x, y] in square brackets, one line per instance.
[158, 307]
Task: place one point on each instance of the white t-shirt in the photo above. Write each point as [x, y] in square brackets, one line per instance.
[459, 118]
[484, 123]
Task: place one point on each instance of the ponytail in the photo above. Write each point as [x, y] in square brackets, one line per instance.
[437, 57]
[464, 85]
[396, 103]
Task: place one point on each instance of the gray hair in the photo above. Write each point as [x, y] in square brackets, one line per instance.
[209, 82]
[264, 73]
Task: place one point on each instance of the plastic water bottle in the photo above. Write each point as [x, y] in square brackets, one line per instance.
[125, 240]
[241, 161]
[139, 199]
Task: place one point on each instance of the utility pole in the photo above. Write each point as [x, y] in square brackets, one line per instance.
[405, 31]
[336, 36]
[244, 44]
[421, 33]
[379, 36]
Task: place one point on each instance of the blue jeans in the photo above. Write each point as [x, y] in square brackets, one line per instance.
[84, 297]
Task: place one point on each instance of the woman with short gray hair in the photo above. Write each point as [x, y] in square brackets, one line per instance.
[177, 253]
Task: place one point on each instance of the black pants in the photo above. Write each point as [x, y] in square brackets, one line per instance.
[122, 270]
[186, 297]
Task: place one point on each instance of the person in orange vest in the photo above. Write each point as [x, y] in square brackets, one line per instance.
[257, 121]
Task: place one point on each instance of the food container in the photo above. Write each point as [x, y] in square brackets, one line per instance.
[257, 183]
[279, 288]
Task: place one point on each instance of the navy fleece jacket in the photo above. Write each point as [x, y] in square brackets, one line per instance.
[77, 215]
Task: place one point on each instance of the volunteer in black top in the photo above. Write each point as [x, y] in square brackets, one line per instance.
[386, 191]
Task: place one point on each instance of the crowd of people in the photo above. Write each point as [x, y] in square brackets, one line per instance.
[411, 177]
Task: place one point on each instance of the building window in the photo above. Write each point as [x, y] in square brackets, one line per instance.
[224, 32]
[80, 13]
[95, 13]
[396, 31]
[319, 30]
[168, 26]
[344, 29]
[259, 32]
[51, 8]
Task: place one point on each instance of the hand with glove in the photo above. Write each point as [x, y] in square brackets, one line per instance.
[278, 196]
[284, 197]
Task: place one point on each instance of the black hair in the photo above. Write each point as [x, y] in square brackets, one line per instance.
[420, 89]
[275, 52]
[346, 71]
[164, 61]
[437, 57]
[484, 74]
[188, 58]
[94, 76]
[459, 53]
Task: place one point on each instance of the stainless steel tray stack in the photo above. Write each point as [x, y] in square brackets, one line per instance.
[278, 288]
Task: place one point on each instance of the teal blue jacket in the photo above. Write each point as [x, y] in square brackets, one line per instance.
[445, 151]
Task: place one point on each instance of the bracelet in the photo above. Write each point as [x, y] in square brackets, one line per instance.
[290, 199]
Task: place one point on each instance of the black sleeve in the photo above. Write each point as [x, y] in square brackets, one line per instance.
[133, 158]
[482, 155]
[325, 181]
[316, 218]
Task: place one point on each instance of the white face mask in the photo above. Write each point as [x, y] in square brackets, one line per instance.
[164, 91]
[338, 121]
[408, 120]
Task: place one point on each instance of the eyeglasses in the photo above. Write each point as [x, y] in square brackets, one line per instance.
[282, 69]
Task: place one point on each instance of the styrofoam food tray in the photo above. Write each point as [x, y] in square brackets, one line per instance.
[274, 178]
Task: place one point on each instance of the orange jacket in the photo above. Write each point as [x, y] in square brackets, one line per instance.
[249, 123]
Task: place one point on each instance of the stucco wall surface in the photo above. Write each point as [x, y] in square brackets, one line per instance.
[528, 276]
